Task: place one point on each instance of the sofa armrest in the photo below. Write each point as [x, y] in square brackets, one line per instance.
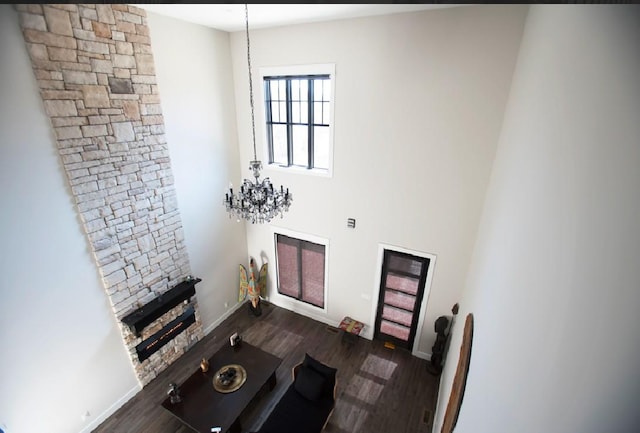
[294, 371]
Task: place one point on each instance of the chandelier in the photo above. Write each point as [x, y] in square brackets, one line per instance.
[257, 201]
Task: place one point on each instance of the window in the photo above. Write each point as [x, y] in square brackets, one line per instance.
[301, 269]
[298, 114]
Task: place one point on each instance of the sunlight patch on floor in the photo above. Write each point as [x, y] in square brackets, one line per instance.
[350, 416]
[273, 339]
[363, 389]
[378, 366]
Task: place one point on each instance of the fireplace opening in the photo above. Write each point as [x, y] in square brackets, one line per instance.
[154, 343]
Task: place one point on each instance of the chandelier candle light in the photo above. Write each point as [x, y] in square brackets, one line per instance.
[259, 201]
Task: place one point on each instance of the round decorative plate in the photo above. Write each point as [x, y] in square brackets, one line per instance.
[234, 384]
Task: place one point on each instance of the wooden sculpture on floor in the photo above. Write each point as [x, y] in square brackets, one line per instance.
[255, 286]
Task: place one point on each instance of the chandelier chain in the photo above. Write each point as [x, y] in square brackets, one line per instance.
[257, 201]
[253, 121]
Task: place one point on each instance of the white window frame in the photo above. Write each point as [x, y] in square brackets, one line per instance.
[319, 69]
[288, 301]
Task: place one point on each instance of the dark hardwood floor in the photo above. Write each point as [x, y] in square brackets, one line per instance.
[379, 389]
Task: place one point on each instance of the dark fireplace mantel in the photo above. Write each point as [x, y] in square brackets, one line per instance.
[138, 319]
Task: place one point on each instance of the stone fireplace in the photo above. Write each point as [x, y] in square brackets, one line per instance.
[95, 71]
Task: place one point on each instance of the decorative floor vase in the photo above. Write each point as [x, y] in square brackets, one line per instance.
[256, 311]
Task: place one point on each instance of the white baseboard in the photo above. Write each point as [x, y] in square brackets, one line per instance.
[422, 355]
[291, 306]
[111, 410]
[222, 318]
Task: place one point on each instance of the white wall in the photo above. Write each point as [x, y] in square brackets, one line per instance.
[419, 100]
[193, 66]
[62, 353]
[554, 279]
[57, 366]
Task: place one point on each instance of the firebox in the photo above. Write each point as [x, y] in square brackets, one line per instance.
[154, 343]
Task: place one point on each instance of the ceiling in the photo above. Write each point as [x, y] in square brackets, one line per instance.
[231, 17]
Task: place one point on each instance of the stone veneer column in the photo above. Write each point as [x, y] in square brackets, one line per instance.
[95, 71]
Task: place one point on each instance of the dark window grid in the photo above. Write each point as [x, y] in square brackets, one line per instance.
[269, 116]
[271, 121]
[289, 123]
[279, 96]
[273, 116]
[298, 77]
[323, 121]
[300, 110]
[299, 96]
[278, 104]
[297, 124]
[321, 96]
[312, 122]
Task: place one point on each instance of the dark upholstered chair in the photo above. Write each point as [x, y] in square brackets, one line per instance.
[307, 404]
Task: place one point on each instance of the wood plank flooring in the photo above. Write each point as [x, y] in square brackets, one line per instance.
[379, 389]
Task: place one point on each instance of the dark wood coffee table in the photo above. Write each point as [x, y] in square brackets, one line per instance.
[202, 407]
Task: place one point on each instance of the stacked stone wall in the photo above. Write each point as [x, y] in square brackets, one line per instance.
[95, 71]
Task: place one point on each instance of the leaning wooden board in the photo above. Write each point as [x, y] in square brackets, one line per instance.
[460, 379]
